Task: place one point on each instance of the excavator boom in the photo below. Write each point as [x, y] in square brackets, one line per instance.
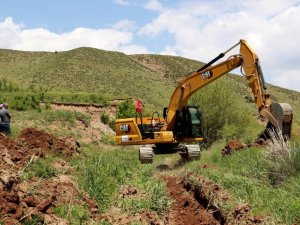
[248, 60]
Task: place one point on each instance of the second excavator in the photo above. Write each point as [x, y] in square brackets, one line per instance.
[183, 124]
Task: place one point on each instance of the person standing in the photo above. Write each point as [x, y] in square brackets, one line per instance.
[5, 119]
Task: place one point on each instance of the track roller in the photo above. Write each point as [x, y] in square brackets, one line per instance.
[146, 154]
[192, 152]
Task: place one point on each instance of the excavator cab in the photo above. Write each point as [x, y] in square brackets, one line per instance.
[188, 123]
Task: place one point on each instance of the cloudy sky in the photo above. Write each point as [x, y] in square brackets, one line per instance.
[189, 28]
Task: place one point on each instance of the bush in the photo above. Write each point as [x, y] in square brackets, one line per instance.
[126, 110]
[111, 123]
[222, 115]
[22, 102]
[104, 118]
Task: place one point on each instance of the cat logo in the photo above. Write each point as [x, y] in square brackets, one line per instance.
[206, 74]
[124, 128]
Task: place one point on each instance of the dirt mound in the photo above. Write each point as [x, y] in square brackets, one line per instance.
[21, 200]
[38, 197]
[34, 139]
[236, 145]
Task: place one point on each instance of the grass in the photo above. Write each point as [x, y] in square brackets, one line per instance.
[65, 116]
[74, 214]
[39, 168]
[103, 172]
[247, 176]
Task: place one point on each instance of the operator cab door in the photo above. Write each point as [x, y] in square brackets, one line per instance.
[188, 123]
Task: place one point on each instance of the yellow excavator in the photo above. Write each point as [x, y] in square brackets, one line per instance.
[182, 123]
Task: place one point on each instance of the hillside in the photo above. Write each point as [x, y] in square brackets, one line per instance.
[85, 70]
[114, 75]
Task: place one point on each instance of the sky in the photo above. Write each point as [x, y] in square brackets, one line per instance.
[193, 29]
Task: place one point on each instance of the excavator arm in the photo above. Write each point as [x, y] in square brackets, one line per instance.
[275, 113]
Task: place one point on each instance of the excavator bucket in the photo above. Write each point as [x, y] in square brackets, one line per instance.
[280, 117]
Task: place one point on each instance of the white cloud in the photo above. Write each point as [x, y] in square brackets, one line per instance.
[288, 79]
[9, 33]
[134, 49]
[124, 25]
[154, 5]
[14, 37]
[203, 29]
[122, 2]
[168, 50]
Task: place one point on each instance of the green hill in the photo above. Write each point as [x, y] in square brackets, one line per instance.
[92, 71]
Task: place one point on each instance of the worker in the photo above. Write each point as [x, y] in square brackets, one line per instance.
[5, 119]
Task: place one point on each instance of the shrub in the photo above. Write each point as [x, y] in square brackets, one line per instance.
[111, 123]
[126, 110]
[22, 102]
[104, 118]
[222, 115]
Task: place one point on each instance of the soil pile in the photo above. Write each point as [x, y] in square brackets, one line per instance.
[22, 200]
[36, 139]
[236, 145]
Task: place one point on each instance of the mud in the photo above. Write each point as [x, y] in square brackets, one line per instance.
[21, 200]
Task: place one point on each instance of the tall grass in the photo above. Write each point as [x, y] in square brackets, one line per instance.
[102, 174]
[284, 155]
[249, 177]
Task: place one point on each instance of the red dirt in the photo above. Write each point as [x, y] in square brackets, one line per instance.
[19, 200]
[186, 209]
[198, 201]
[236, 145]
[34, 139]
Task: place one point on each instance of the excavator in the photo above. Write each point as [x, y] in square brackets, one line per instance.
[181, 124]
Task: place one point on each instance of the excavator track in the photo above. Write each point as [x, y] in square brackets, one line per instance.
[193, 152]
[146, 154]
[190, 152]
